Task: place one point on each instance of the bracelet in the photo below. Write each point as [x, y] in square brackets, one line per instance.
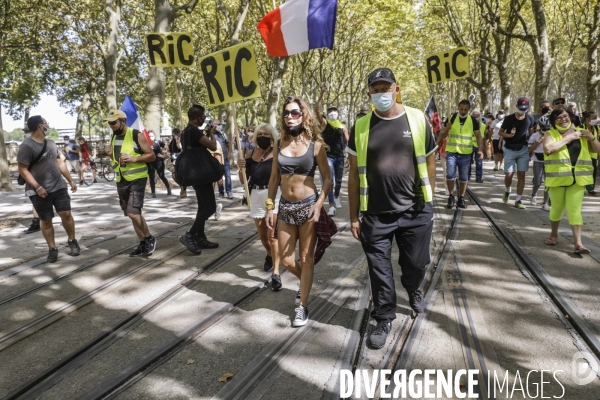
[38, 189]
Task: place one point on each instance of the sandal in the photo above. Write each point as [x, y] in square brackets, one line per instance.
[550, 241]
[581, 250]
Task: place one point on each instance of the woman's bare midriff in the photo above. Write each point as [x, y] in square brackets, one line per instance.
[297, 187]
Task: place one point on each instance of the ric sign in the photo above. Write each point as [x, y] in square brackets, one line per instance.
[448, 65]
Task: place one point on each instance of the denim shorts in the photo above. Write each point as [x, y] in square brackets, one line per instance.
[460, 161]
[519, 157]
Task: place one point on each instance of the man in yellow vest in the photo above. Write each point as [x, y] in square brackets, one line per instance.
[391, 181]
[130, 151]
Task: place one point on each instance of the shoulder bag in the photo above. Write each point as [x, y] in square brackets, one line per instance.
[195, 165]
[20, 179]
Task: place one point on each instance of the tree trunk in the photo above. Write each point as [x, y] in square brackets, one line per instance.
[279, 67]
[5, 182]
[541, 55]
[27, 112]
[111, 53]
[82, 112]
[164, 13]
[592, 79]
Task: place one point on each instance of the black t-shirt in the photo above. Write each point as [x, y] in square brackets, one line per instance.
[462, 120]
[191, 136]
[392, 175]
[522, 135]
[336, 141]
[157, 147]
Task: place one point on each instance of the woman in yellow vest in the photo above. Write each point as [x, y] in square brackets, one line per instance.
[591, 122]
[568, 168]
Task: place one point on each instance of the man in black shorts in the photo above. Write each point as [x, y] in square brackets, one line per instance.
[130, 151]
[392, 181]
[41, 166]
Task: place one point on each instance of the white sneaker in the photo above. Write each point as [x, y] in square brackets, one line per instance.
[545, 207]
[338, 203]
[533, 200]
[218, 211]
[331, 211]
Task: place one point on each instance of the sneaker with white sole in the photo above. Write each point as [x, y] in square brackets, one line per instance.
[505, 197]
[218, 211]
[331, 211]
[301, 317]
[338, 203]
[545, 207]
[533, 201]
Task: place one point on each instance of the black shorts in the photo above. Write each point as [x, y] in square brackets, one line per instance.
[497, 149]
[60, 200]
[131, 195]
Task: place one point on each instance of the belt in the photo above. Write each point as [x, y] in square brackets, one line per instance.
[258, 187]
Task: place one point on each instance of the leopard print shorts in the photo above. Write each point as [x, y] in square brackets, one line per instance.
[295, 213]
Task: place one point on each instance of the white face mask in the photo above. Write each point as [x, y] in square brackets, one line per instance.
[332, 115]
[595, 122]
[501, 117]
[521, 112]
[383, 101]
[219, 128]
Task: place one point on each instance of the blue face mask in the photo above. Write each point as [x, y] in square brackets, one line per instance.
[383, 101]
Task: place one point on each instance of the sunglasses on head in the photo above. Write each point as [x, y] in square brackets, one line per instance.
[295, 113]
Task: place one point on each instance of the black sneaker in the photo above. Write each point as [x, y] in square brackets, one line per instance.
[416, 301]
[139, 251]
[52, 255]
[150, 245]
[81, 182]
[276, 283]
[152, 195]
[189, 242]
[74, 246]
[301, 318]
[268, 263]
[451, 202]
[34, 227]
[168, 191]
[461, 203]
[379, 335]
[203, 243]
[479, 180]
[95, 181]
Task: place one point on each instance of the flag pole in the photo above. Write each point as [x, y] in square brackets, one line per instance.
[240, 151]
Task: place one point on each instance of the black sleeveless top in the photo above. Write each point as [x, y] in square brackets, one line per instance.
[259, 172]
[305, 164]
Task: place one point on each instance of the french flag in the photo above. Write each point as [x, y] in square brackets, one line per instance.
[133, 117]
[299, 25]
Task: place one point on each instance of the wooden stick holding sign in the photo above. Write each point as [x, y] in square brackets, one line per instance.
[236, 132]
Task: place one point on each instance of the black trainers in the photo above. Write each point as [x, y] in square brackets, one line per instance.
[379, 335]
[451, 202]
[461, 203]
[52, 255]
[34, 227]
[301, 318]
[74, 246]
[416, 301]
[150, 245]
[188, 241]
[479, 180]
[139, 251]
[152, 195]
[203, 243]
[95, 181]
[268, 263]
[168, 191]
[276, 283]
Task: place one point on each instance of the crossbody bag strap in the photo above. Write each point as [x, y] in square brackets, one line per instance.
[39, 156]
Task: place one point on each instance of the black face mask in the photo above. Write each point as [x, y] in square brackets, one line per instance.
[201, 121]
[545, 110]
[296, 130]
[263, 142]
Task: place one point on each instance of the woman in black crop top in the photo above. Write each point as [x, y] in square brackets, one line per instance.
[300, 151]
[258, 164]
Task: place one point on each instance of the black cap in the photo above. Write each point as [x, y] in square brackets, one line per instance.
[381, 75]
[559, 99]
[332, 107]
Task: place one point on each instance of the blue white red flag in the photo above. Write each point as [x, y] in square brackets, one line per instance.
[133, 117]
[299, 25]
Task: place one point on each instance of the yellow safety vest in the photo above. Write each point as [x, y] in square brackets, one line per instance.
[131, 171]
[418, 128]
[460, 140]
[558, 168]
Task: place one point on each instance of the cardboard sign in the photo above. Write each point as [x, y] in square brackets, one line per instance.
[170, 49]
[231, 74]
[448, 65]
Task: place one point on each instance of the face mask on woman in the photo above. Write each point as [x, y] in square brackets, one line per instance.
[263, 142]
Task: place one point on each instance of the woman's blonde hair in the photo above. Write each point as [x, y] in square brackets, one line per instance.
[262, 128]
[309, 123]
